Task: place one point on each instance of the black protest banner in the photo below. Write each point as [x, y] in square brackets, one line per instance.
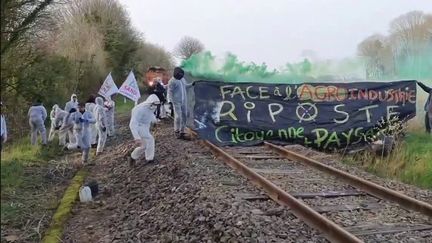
[321, 115]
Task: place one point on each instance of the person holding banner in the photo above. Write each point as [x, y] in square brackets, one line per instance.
[178, 97]
[110, 110]
[141, 119]
[107, 90]
[90, 106]
[101, 124]
[427, 107]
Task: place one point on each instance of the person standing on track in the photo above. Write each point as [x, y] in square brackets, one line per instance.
[178, 97]
[427, 107]
[159, 91]
[141, 119]
[37, 115]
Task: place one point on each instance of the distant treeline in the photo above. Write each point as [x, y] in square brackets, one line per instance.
[52, 48]
[406, 52]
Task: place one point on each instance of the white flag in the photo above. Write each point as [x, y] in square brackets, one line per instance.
[130, 88]
[108, 87]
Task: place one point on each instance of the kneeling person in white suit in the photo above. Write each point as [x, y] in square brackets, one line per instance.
[82, 120]
[57, 116]
[141, 120]
[66, 129]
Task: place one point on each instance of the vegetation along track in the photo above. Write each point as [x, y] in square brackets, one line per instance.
[341, 206]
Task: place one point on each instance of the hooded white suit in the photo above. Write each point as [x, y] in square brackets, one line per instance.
[101, 124]
[141, 119]
[57, 116]
[66, 129]
[177, 94]
[71, 104]
[82, 122]
[37, 115]
[110, 110]
[52, 131]
[93, 130]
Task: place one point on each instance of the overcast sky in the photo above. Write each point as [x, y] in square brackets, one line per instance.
[270, 31]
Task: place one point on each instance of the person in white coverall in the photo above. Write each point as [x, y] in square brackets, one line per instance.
[141, 119]
[110, 111]
[101, 124]
[82, 120]
[73, 103]
[178, 97]
[37, 115]
[89, 106]
[53, 130]
[56, 115]
[66, 129]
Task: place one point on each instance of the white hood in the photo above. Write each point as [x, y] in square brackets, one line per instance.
[73, 95]
[99, 101]
[152, 99]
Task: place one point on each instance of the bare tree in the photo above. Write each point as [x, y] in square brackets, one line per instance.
[17, 18]
[378, 55]
[405, 51]
[187, 47]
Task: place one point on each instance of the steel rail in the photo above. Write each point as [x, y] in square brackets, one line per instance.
[362, 184]
[329, 229]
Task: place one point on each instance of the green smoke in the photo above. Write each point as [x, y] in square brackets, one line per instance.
[415, 66]
[206, 66]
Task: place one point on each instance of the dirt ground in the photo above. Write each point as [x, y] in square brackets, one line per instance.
[188, 196]
[183, 198]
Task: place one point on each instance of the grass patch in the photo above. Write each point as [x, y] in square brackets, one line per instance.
[418, 159]
[64, 210]
[410, 162]
[123, 107]
[31, 181]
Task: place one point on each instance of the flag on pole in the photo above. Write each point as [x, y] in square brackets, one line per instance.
[108, 87]
[130, 89]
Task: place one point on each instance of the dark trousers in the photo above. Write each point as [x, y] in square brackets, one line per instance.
[158, 110]
[172, 109]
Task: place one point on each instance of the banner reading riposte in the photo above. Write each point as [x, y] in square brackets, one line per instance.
[108, 87]
[129, 88]
[321, 115]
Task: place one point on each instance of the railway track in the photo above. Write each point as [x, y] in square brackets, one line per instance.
[341, 206]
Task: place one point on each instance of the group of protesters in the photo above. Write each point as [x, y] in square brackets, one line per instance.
[85, 125]
[150, 111]
[80, 125]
